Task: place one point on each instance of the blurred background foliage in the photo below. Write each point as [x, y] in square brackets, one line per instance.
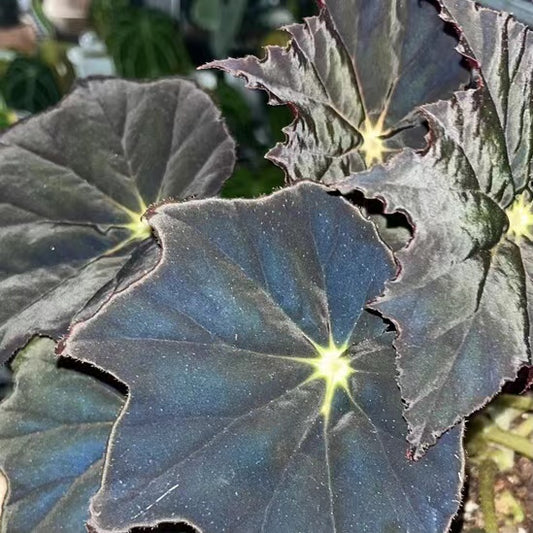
[46, 44]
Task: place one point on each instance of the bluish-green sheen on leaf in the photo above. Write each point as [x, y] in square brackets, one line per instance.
[461, 300]
[53, 432]
[75, 181]
[354, 76]
[262, 396]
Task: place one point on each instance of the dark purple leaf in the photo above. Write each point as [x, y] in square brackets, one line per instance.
[462, 300]
[262, 397]
[75, 181]
[353, 76]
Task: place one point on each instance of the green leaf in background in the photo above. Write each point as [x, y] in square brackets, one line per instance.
[207, 14]
[53, 433]
[146, 43]
[101, 15]
[463, 300]
[249, 182]
[54, 54]
[237, 114]
[354, 76]
[223, 19]
[28, 84]
[7, 116]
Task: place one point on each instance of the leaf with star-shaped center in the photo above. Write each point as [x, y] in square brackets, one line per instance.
[75, 181]
[462, 300]
[262, 396]
[353, 75]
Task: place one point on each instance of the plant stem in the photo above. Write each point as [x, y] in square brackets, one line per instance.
[525, 427]
[522, 403]
[487, 478]
[515, 442]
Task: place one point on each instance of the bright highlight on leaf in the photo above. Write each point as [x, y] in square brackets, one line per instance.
[140, 229]
[374, 147]
[520, 215]
[332, 366]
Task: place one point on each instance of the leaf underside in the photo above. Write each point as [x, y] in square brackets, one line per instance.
[462, 300]
[75, 181]
[227, 425]
[53, 432]
[353, 76]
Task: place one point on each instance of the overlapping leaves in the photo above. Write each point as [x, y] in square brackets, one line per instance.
[262, 397]
[75, 181]
[462, 301]
[354, 75]
[53, 432]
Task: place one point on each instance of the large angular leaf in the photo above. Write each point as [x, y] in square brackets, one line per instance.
[75, 181]
[463, 298]
[262, 396]
[53, 432]
[353, 76]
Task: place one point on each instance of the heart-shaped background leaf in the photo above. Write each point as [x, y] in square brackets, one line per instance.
[262, 397]
[353, 76]
[461, 300]
[53, 433]
[75, 181]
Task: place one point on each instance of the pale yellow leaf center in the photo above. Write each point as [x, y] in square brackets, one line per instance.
[333, 367]
[373, 147]
[140, 229]
[520, 215]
